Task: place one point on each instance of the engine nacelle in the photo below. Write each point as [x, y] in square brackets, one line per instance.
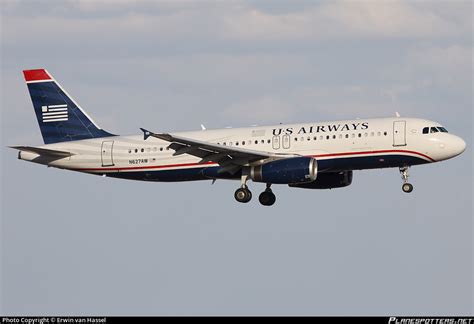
[328, 181]
[296, 170]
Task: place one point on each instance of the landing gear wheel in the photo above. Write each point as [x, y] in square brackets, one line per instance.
[407, 187]
[267, 198]
[243, 195]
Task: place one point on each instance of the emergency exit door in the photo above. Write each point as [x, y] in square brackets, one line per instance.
[106, 152]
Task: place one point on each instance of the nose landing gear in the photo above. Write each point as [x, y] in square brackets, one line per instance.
[406, 187]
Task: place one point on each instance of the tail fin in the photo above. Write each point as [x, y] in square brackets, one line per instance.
[60, 118]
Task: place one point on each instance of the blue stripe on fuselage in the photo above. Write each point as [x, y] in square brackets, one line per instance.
[326, 165]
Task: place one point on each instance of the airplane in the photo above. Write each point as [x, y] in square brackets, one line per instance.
[318, 155]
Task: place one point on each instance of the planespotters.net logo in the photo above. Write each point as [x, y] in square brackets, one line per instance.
[404, 320]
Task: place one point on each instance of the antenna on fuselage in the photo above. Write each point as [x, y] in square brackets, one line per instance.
[397, 114]
[203, 127]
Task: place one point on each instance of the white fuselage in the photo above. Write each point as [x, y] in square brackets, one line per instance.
[337, 146]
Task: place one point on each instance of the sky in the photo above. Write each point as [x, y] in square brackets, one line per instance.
[75, 244]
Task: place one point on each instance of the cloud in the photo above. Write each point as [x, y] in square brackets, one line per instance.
[262, 110]
[341, 20]
[223, 23]
[438, 66]
[326, 59]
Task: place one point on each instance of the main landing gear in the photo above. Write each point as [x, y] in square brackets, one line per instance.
[267, 198]
[244, 195]
[406, 187]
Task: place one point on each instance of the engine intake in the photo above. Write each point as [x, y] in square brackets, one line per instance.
[296, 170]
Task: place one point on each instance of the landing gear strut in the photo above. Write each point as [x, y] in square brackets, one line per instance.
[243, 194]
[407, 187]
[267, 198]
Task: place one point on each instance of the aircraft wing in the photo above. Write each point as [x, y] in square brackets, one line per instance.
[43, 151]
[230, 158]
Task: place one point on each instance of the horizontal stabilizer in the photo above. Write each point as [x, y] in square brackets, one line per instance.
[42, 151]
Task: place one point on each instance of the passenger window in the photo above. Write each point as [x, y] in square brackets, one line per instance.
[360, 134]
[136, 150]
[385, 133]
[426, 130]
[328, 137]
[256, 142]
[296, 139]
[315, 138]
[347, 135]
[334, 137]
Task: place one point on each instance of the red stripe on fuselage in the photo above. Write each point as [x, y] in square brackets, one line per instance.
[210, 163]
[374, 152]
[36, 75]
[146, 167]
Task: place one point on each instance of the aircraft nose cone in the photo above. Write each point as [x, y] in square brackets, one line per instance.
[458, 145]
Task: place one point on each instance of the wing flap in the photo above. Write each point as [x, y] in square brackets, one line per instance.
[226, 156]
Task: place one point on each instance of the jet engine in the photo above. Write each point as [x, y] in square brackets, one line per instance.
[297, 170]
[327, 181]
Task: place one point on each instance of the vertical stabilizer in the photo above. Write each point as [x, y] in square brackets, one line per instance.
[60, 118]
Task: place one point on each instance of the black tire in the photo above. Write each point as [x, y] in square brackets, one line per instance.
[407, 187]
[243, 195]
[267, 198]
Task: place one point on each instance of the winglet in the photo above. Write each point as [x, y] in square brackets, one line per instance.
[146, 133]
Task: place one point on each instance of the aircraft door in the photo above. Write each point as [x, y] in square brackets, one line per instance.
[399, 133]
[106, 153]
[276, 142]
[286, 141]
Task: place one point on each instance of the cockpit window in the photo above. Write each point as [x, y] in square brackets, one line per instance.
[432, 130]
